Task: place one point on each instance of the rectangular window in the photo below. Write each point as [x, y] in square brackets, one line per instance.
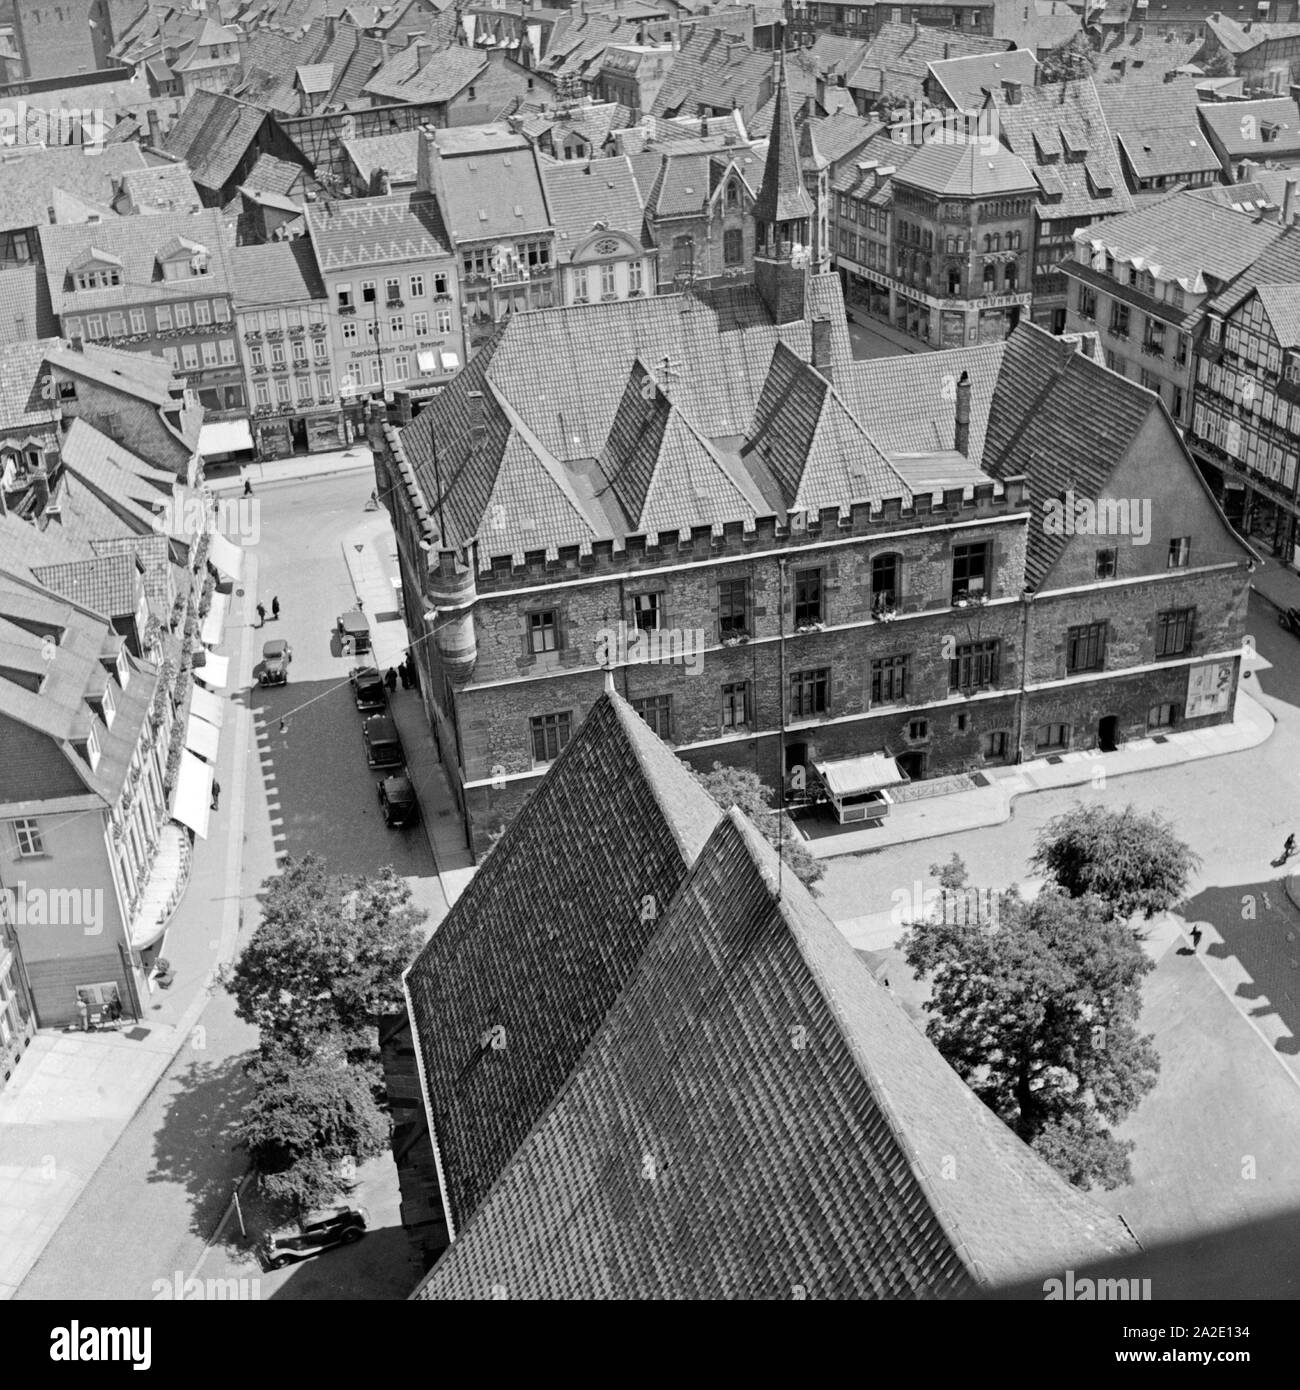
[657, 711]
[1119, 320]
[202, 314]
[970, 569]
[420, 324]
[209, 349]
[345, 297]
[1087, 303]
[807, 597]
[349, 331]
[116, 325]
[550, 734]
[324, 386]
[262, 390]
[171, 357]
[634, 277]
[392, 289]
[401, 366]
[284, 392]
[544, 631]
[733, 246]
[1180, 553]
[304, 388]
[444, 320]
[95, 326]
[440, 284]
[733, 608]
[974, 667]
[735, 704]
[889, 680]
[1106, 562]
[139, 324]
[221, 311]
[608, 285]
[1085, 647]
[994, 745]
[320, 349]
[1162, 716]
[810, 693]
[277, 354]
[1051, 736]
[397, 325]
[28, 836]
[918, 730]
[417, 286]
[226, 346]
[648, 611]
[376, 374]
[1174, 631]
[190, 356]
[299, 353]
[182, 315]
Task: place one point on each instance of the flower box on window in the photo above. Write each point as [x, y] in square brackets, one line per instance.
[317, 330]
[297, 331]
[253, 336]
[275, 334]
[735, 639]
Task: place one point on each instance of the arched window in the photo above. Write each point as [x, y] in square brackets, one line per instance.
[997, 241]
[1010, 277]
[988, 243]
[733, 194]
[990, 272]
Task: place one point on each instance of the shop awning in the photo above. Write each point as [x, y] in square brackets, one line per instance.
[427, 360]
[193, 802]
[213, 671]
[202, 738]
[450, 362]
[848, 776]
[214, 625]
[224, 437]
[207, 707]
[226, 555]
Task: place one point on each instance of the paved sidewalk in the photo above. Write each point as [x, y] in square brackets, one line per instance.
[371, 556]
[75, 1093]
[991, 805]
[224, 478]
[1276, 583]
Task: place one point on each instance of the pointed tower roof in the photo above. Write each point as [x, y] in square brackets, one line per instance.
[782, 197]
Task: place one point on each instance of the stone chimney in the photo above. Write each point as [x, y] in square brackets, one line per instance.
[155, 130]
[961, 438]
[477, 422]
[423, 55]
[427, 172]
[1246, 171]
[77, 343]
[821, 347]
[1170, 77]
[1288, 202]
[1012, 92]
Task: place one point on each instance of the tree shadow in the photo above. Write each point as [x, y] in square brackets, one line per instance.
[1261, 931]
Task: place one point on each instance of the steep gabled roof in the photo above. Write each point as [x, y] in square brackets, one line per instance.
[543, 955]
[581, 193]
[1267, 128]
[757, 1118]
[964, 80]
[213, 135]
[967, 169]
[783, 197]
[445, 75]
[1278, 264]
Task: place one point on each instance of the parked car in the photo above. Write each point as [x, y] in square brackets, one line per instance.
[318, 1232]
[368, 689]
[383, 747]
[276, 656]
[354, 632]
[397, 800]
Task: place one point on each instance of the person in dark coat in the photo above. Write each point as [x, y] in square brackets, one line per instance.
[1196, 938]
[390, 680]
[216, 793]
[248, 487]
[275, 609]
[404, 670]
[261, 615]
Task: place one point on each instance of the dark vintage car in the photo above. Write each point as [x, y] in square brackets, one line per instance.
[276, 656]
[383, 747]
[368, 689]
[354, 633]
[397, 800]
[318, 1232]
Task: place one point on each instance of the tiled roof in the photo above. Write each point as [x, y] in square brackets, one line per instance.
[137, 373]
[28, 180]
[1048, 423]
[279, 272]
[837, 57]
[446, 74]
[376, 231]
[1183, 237]
[543, 955]
[965, 80]
[967, 169]
[1279, 264]
[888, 152]
[1236, 38]
[695, 1152]
[492, 193]
[161, 188]
[124, 485]
[897, 63]
[213, 135]
[1155, 124]
[909, 404]
[687, 178]
[154, 552]
[1282, 305]
[25, 311]
[1266, 188]
[801, 80]
[1044, 127]
[1268, 129]
[1037, 25]
[582, 193]
[271, 174]
[564, 373]
[136, 242]
[816, 451]
[23, 401]
[712, 70]
[840, 135]
[107, 584]
[315, 78]
[398, 154]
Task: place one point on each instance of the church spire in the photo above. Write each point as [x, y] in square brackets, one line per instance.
[782, 197]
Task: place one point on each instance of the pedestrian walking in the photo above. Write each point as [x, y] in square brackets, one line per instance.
[216, 793]
[390, 680]
[404, 670]
[248, 487]
[83, 1015]
[1196, 939]
[275, 609]
[261, 615]
[1288, 849]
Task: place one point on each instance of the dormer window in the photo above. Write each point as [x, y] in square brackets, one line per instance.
[122, 669]
[92, 749]
[107, 707]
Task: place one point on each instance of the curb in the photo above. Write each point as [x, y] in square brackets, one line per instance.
[237, 484]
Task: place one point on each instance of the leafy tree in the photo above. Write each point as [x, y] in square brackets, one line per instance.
[327, 956]
[1038, 1015]
[742, 787]
[1133, 862]
[951, 875]
[1222, 64]
[313, 1118]
[1068, 62]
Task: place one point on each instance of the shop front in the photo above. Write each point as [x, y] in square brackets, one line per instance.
[17, 1018]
